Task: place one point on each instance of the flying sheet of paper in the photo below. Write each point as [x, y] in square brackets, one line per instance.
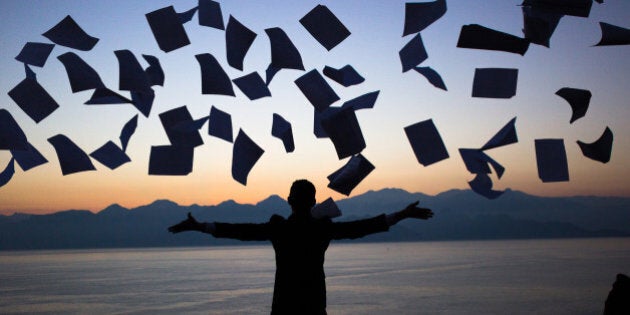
[364, 101]
[171, 160]
[580, 8]
[349, 176]
[81, 76]
[171, 118]
[214, 80]
[220, 124]
[282, 130]
[72, 159]
[33, 99]
[35, 54]
[551, 159]
[507, 135]
[69, 34]
[426, 142]
[245, 154]
[12, 137]
[578, 99]
[7, 173]
[143, 101]
[284, 55]
[342, 127]
[238, 39]
[482, 184]
[495, 82]
[270, 72]
[210, 14]
[318, 130]
[127, 131]
[325, 27]
[110, 155]
[601, 149]
[154, 71]
[539, 25]
[253, 86]
[131, 74]
[29, 158]
[346, 76]
[420, 15]
[326, 209]
[105, 96]
[167, 29]
[191, 125]
[187, 16]
[413, 53]
[432, 76]
[316, 90]
[29, 73]
[477, 161]
[613, 35]
[479, 37]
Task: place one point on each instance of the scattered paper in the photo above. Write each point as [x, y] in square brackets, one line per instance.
[601, 149]
[551, 159]
[33, 99]
[167, 29]
[214, 80]
[495, 82]
[220, 124]
[253, 86]
[426, 142]
[35, 54]
[72, 159]
[420, 15]
[69, 34]
[578, 100]
[245, 154]
[316, 90]
[238, 40]
[282, 130]
[348, 177]
[325, 26]
[413, 53]
[110, 155]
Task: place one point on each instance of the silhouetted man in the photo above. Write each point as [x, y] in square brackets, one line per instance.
[300, 243]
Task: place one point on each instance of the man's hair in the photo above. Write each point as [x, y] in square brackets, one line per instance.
[302, 195]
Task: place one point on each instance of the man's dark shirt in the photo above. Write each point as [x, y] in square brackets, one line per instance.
[300, 243]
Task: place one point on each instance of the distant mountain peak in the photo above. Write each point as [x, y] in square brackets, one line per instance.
[387, 190]
[229, 202]
[274, 203]
[113, 209]
[163, 203]
[273, 199]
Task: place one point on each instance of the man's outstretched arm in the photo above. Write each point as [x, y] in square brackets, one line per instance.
[191, 224]
[411, 211]
[239, 231]
[381, 223]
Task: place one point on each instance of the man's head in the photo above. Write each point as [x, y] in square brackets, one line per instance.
[302, 196]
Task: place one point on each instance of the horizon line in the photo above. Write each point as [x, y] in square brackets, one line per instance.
[9, 212]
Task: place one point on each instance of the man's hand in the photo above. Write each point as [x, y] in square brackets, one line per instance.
[413, 211]
[190, 224]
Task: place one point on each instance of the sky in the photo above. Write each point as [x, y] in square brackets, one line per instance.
[372, 49]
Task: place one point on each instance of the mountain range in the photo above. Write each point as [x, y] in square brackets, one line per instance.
[459, 215]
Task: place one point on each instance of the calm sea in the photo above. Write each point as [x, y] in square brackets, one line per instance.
[571, 276]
